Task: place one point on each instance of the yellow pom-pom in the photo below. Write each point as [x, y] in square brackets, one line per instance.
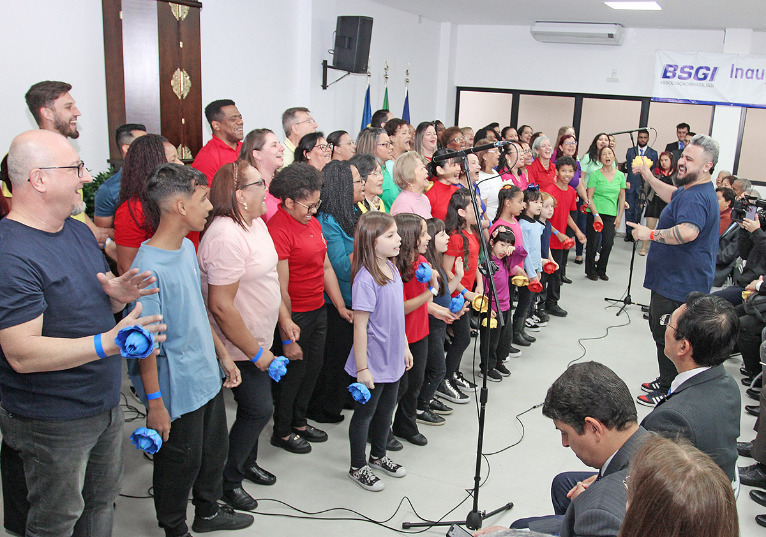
[492, 323]
[746, 294]
[480, 303]
[520, 281]
[639, 161]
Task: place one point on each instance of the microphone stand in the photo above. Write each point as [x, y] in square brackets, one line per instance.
[628, 301]
[475, 517]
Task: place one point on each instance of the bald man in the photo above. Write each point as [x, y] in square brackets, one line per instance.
[60, 370]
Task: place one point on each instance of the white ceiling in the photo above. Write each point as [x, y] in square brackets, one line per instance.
[690, 14]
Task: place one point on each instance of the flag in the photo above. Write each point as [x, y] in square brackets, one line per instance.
[385, 100]
[406, 111]
[367, 112]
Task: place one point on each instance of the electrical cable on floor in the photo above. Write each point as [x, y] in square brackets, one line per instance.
[518, 418]
[579, 341]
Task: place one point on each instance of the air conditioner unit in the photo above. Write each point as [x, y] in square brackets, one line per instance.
[578, 33]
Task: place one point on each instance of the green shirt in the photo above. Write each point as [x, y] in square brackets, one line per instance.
[606, 193]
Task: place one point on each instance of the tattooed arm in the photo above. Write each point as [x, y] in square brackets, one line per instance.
[680, 234]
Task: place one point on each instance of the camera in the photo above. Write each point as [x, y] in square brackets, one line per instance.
[748, 207]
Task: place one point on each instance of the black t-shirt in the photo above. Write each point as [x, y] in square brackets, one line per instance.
[54, 274]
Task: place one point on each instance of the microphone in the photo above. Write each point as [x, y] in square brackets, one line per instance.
[467, 151]
[631, 130]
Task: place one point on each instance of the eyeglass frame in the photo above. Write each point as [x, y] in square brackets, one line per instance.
[312, 207]
[311, 119]
[665, 321]
[80, 168]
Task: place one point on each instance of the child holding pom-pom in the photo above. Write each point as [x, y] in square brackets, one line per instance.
[380, 354]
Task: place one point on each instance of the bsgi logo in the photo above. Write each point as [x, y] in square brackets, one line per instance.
[689, 72]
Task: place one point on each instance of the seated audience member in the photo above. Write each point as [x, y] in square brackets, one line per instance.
[755, 474]
[376, 142]
[108, 194]
[370, 171]
[411, 177]
[750, 333]
[453, 139]
[57, 301]
[726, 197]
[341, 191]
[542, 171]
[343, 147]
[238, 268]
[131, 228]
[751, 247]
[264, 152]
[741, 186]
[182, 390]
[720, 176]
[728, 242]
[305, 275]
[595, 413]
[228, 130]
[675, 489]
[399, 135]
[425, 140]
[313, 149]
[380, 118]
[296, 122]
[446, 179]
[703, 404]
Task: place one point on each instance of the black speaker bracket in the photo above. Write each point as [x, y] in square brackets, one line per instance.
[325, 67]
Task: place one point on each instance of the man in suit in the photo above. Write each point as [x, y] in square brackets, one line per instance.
[677, 148]
[703, 404]
[634, 180]
[596, 416]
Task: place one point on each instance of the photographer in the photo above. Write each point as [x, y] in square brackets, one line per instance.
[751, 245]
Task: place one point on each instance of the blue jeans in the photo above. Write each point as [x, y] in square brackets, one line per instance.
[73, 471]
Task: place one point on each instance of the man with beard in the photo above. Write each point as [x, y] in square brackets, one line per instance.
[686, 241]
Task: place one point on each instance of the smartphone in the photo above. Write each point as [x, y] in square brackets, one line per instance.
[457, 531]
[750, 212]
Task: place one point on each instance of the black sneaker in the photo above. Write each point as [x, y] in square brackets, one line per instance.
[519, 340]
[462, 383]
[542, 316]
[437, 407]
[500, 368]
[225, 519]
[493, 375]
[557, 310]
[652, 386]
[651, 398]
[513, 352]
[387, 466]
[447, 391]
[529, 338]
[429, 418]
[531, 325]
[366, 479]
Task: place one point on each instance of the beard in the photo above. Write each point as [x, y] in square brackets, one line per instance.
[77, 208]
[688, 178]
[65, 129]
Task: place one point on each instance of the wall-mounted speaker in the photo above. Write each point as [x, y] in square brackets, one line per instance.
[352, 43]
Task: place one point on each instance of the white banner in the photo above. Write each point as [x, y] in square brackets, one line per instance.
[709, 78]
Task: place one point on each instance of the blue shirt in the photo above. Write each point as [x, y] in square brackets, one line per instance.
[54, 275]
[532, 232]
[674, 271]
[339, 248]
[188, 371]
[107, 196]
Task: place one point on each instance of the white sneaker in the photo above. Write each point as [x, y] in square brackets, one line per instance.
[388, 466]
[366, 479]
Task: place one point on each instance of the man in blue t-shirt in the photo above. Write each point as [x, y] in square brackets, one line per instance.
[60, 370]
[682, 260]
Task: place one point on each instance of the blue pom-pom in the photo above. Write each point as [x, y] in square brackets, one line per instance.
[359, 392]
[457, 303]
[135, 342]
[278, 368]
[147, 440]
[423, 273]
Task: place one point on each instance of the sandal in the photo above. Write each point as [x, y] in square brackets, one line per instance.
[642, 252]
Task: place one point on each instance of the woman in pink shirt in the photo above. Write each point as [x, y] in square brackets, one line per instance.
[238, 266]
[411, 175]
[263, 151]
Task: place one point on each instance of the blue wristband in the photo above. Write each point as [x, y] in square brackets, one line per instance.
[286, 341]
[463, 292]
[555, 231]
[433, 291]
[155, 395]
[99, 347]
[257, 355]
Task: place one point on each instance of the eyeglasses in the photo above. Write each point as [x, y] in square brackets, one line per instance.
[665, 321]
[459, 140]
[324, 147]
[312, 207]
[387, 144]
[79, 167]
[260, 183]
[357, 182]
[309, 120]
[625, 481]
[376, 172]
[570, 142]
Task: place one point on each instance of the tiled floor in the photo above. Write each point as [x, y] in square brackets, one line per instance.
[440, 473]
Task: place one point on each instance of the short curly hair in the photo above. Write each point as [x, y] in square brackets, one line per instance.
[296, 182]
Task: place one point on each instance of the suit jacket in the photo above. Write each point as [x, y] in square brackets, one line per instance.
[673, 148]
[635, 180]
[600, 508]
[705, 410]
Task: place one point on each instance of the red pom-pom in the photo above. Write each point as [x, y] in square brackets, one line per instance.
[598, 226]
[549, 267]
[535, 287]
[583, 208]
[569, 243]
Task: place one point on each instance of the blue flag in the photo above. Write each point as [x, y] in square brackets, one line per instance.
[406, 111]
[367, 112]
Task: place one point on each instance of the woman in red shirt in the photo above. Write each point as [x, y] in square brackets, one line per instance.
[305, 274]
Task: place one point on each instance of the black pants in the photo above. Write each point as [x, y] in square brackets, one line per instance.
[409, 389]
[192, 459]
[436, 366]
[254, 410]
[499, 342]
[522, 307]
[461, 338]
[15, 504]
[331, 389]
[581, 220]
[293, 392]
[749, 341]
[607, 241]
[659, 306]
[554, 280]
[373, 420]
